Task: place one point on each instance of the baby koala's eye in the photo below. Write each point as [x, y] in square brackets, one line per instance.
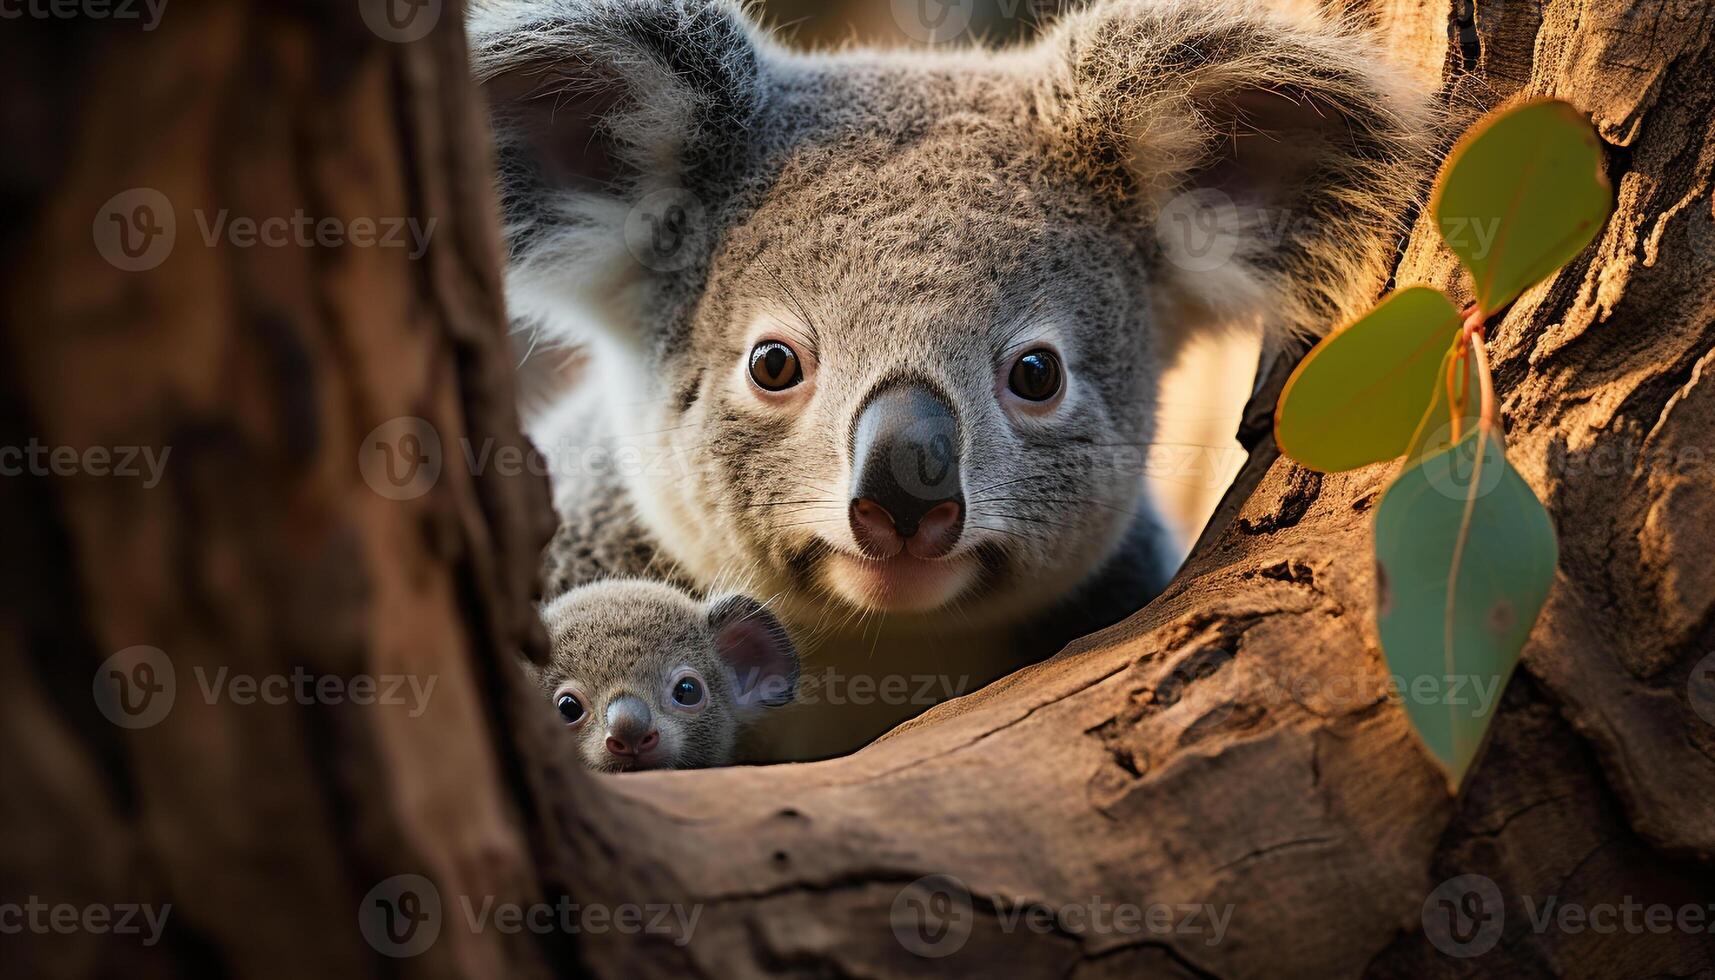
[775, 366]
[688, 691]
[570, 708]
[1036, 376]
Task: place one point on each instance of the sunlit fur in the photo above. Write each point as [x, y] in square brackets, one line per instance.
[929, 213]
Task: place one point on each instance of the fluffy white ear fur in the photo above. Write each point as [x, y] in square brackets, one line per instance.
[596, 106]
[1259, 133]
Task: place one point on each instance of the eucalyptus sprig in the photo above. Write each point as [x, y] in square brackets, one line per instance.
[1465, 552]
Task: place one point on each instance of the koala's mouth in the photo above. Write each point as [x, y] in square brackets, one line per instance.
[648, 762]
[901, 584]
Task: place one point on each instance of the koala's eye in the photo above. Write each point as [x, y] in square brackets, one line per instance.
[688, 690]
[774, 366]
[570, 708]
[1036, 376]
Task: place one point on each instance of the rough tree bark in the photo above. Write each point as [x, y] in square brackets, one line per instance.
[1232, 745]
[262, 550]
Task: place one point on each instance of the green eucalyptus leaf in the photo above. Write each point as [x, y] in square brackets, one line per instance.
[1358, 396]
[1435, 430]
[1465, 556]
[1522, 193]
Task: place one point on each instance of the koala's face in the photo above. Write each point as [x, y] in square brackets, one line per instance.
[912, 396]
[900, 317]
[644, 677]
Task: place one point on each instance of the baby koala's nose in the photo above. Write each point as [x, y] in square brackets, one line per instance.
[906, 488]
[630, 727]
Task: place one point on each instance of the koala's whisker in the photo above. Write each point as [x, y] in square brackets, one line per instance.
[957, 608]
[810, 523]
[813, 488]
[809, 514]
[535, 338]
[1009, 532]
[1052, 500]
[1031, 519]
[788, 503]
[797, 304]
[1008, 483]
[671, 428]
[1154, 442]
[1019, 323]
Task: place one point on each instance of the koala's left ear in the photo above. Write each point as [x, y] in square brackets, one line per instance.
[1273, 151]
[615, 124]
[757, 651]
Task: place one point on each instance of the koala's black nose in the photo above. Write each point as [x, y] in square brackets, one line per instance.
[906, 489]
[630, 727]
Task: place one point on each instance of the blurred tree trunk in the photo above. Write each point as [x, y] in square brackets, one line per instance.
[1231, 749]
[140, 312]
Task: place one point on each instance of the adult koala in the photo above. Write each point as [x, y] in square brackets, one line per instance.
[877, 334]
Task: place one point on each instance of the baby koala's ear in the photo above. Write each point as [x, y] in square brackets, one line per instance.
[613, 121]
[757, 652]
[1273, 150]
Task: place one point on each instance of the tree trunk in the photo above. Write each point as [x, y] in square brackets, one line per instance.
[1221, 786]
[259, 372]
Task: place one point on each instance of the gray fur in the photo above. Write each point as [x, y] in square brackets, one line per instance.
[926, 213]
[630, 637]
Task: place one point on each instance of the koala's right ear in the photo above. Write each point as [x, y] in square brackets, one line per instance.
[757, 651]
[614, 121]
[1268, 144]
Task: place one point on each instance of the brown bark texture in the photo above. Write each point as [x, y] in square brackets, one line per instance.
[1222, 786]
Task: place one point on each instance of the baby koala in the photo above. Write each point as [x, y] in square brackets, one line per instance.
[646, 677]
